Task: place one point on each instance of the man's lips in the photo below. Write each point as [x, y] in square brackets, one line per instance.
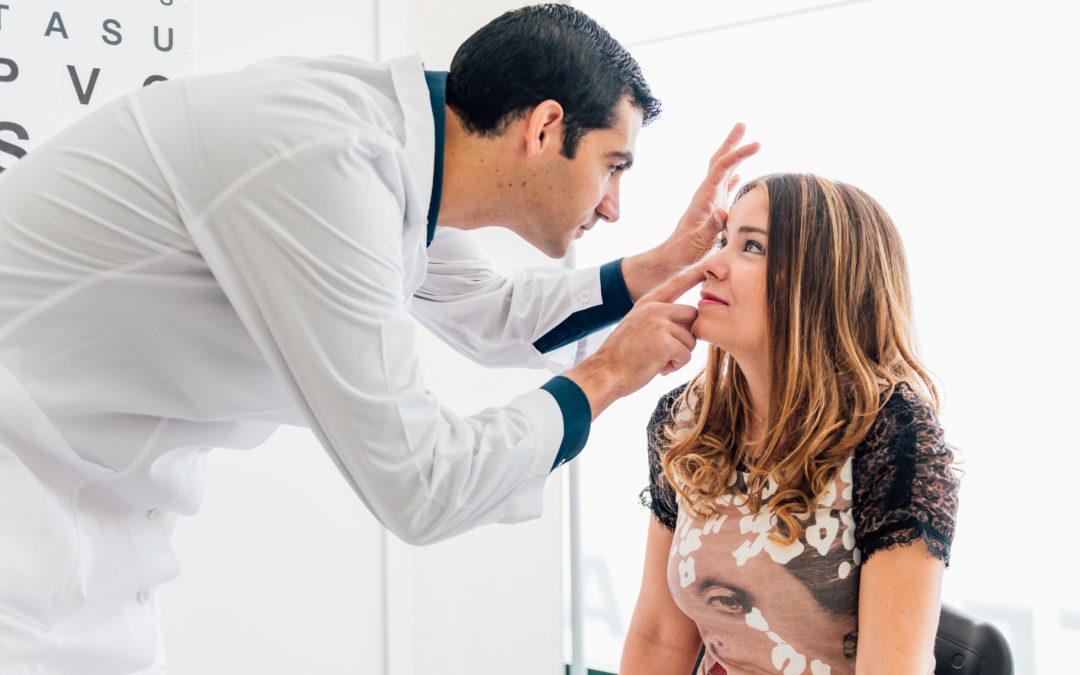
[582, 229]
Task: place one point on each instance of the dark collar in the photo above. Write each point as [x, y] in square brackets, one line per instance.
[436, 82]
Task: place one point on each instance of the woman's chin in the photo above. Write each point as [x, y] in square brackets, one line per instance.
[703, 334]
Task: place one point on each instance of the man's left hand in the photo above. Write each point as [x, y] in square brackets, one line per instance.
[699, 226]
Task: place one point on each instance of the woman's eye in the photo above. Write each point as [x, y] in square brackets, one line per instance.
[721, 243]
[753, 247]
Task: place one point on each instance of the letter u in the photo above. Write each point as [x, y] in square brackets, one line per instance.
[157, 40]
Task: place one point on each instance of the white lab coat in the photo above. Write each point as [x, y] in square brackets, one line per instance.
[194, 264]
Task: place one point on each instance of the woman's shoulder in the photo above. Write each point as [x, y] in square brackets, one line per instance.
[907, 414]
[665, 405]
[664, 416]
[905, 486]
[905, 400]
[660, 496]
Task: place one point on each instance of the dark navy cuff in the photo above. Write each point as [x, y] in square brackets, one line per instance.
[616, 304]
[576, 415]
[613, 287]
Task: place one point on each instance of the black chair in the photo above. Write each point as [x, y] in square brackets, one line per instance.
[967, 646]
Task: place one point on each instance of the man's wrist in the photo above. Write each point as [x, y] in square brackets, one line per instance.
[597, 381]
[647, 270]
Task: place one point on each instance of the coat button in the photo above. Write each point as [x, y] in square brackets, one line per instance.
[143, 596]
[585, 297]
[155, 514]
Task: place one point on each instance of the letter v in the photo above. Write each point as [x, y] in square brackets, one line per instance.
[84, 96]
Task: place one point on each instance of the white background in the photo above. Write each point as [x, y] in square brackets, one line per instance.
[960, 117]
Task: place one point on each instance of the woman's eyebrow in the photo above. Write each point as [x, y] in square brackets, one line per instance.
[749, 228]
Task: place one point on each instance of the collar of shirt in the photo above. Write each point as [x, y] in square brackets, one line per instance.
[436, 82]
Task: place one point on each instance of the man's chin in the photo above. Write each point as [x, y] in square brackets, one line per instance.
[557, 250]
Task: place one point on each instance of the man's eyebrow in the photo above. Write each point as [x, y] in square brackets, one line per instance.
[626, 157]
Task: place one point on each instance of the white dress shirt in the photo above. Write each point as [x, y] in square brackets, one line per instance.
[198, 262]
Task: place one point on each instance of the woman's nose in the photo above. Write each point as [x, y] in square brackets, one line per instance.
[714, 264]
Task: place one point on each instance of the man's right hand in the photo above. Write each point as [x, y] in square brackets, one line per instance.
[654, 337]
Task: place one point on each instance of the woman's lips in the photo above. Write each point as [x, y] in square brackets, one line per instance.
[710, 299]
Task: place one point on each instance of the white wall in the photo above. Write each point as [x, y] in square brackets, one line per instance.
[231, 34]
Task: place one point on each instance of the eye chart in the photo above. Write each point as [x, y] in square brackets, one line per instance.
[61, 58]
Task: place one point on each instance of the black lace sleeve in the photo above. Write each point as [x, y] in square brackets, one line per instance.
[660, 497]
[904, 486]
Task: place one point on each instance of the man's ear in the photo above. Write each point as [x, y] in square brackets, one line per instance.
[543, 127]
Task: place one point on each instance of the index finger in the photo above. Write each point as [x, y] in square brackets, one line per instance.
[714, 182]
[672, 289]
[724, 162]
[733, 138]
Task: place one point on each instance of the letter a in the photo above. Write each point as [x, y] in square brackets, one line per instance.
[56, 23]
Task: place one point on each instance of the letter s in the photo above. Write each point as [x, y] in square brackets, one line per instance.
[10, 148]
[112, 27]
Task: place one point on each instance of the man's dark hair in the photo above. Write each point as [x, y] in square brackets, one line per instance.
[540, 52]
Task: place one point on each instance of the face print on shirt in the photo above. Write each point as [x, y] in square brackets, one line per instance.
[758, 604]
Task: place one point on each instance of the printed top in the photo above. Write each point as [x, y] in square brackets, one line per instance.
[766, 608]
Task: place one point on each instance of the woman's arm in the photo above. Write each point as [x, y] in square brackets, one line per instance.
[661, 638]
[899, 604]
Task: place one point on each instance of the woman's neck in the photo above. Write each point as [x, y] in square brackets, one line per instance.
[757, 384]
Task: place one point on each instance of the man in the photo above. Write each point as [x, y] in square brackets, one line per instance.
[201, 261]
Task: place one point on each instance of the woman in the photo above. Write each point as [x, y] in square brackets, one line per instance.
[804, 498]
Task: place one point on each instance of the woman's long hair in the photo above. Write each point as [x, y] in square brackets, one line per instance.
[839, 340]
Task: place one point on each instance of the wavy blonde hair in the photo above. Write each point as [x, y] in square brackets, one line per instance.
[839, 340]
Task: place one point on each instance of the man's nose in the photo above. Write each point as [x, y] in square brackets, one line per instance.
[608, 208]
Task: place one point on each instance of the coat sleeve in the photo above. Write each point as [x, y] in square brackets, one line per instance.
[541, 317]
[308, 249]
